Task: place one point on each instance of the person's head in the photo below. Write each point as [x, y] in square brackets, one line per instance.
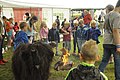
[23, 26]
[86, 12]
[32, 61]
[93, 24]
[66, 25]
[117, 7]
[54, 25]
[109, 8]
[11, 20]
[16, 24]
[75, 23]
[33, 19]
[65, 19]
[43, 24]
[27, 14]
[57, 17]
[4, 18]
[81, 22]
[89, 51]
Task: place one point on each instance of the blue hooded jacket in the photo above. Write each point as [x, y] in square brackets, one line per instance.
[81, 32]
[93, 33]
[21, 37]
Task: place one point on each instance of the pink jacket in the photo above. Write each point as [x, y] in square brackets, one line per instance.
[44, 33]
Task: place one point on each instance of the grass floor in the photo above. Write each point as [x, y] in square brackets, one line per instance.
[6, 71]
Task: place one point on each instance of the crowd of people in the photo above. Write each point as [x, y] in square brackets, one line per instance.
[85, 33]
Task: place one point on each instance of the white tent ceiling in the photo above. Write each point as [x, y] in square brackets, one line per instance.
[58, 3]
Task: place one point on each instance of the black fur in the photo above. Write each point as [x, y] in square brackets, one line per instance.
[32, 61]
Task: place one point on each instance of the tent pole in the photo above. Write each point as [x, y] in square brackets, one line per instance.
[52, 15]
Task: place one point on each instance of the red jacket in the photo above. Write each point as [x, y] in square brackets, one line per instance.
[87, 19]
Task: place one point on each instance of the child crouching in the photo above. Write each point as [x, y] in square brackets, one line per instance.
[86, 69]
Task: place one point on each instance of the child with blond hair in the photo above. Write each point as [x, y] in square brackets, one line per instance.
[44, 32]
[86, 69]
[93, 32]
[67, 36]
[53, 36]
[81, 34]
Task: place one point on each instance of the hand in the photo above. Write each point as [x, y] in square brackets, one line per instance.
[0, 36]
[118, 50]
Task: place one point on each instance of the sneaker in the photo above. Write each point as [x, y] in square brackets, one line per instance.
[1, 62]
[3, 50]
[5, 61]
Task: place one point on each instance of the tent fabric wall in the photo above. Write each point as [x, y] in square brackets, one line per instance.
[83, 4]
[19, 13]
[8, 12]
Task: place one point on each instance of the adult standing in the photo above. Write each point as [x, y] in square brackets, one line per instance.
[27, 16]
[87, 18]
[58, 22]
[2, 61]
[63, 22]
[112, 40]
[31, 28]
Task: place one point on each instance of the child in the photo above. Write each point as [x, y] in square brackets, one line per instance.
[32, 61]
[67, 36]
[93, 32]
[21, 36]
[16, 27]
[53, 36]
[81, 31]
[74, 29]
[44, 32]
[86, 70]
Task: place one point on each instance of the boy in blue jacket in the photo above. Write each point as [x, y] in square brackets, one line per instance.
[81, 31]
[53, 36]
[21, 36]
[93, 32]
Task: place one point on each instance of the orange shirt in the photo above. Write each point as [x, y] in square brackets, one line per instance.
[7, 27]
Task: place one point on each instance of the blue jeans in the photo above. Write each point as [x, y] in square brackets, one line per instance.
[67, 45]
[108, 50]
[80, 43]
[75, 43]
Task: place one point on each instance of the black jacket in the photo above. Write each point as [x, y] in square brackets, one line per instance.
[84, 73]
[53, 35]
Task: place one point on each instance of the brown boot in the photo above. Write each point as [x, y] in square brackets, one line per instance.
[1, 62]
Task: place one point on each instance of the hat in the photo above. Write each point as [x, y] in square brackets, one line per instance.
[27, 14]
[110, 7]
[118, 3]
[35, 18]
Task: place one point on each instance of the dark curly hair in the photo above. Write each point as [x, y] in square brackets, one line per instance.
[32, 61]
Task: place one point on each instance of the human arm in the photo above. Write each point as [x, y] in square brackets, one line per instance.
[98, 32]
[25, 38]
[69, 75]
[116, 36]
[58, 36]
[49, 35]
[116, 33]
